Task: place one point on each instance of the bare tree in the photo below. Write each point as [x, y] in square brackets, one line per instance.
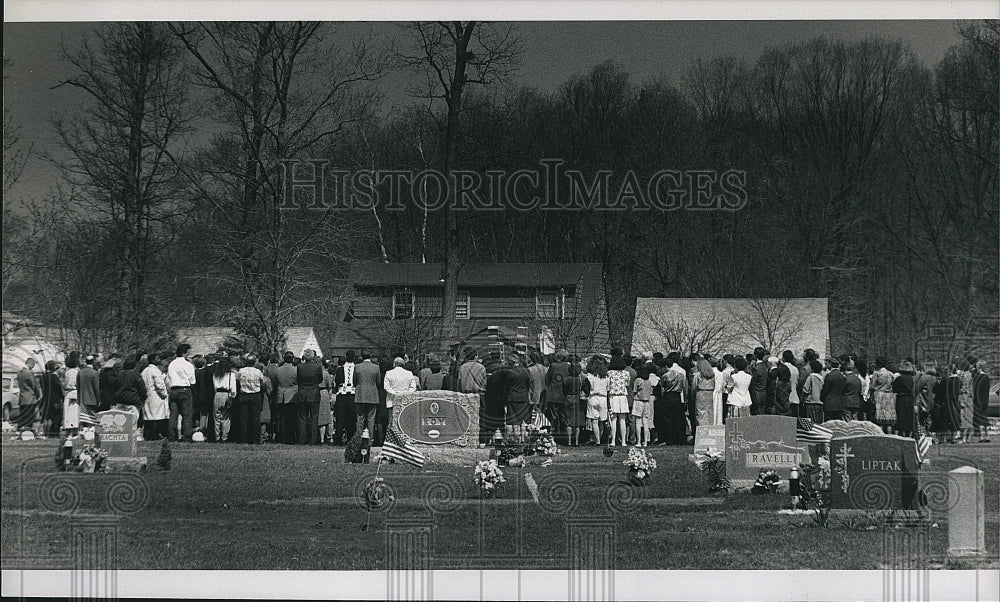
[283, 92]
[451, 56]
[659, 329]
[122, 147]
[771, 323]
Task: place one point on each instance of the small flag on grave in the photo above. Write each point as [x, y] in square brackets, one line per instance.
[923, 446]
[809, 432]
[88, 417]
[399, 448]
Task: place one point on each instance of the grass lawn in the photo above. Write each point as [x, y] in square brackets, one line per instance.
[282, 507]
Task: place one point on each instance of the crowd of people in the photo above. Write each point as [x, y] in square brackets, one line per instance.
[655, 399]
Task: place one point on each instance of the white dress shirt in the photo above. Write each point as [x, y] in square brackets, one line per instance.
[180, 373]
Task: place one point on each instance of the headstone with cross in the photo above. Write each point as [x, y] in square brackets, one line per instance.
[874, 472]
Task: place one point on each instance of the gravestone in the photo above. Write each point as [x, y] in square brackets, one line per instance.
[438, 417]
[874, 472]
[117, 433]
[708, 436]
[757, 442]
[966, 514]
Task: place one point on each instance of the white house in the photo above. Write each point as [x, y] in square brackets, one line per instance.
[208, 339]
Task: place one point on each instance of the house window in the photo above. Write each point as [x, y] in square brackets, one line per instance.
[403, 305]
[547, 304]
[462, 308]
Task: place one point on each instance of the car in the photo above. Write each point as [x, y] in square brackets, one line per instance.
[10, 397]
[993, 410]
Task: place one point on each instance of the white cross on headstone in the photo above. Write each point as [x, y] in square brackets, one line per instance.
[845, 453]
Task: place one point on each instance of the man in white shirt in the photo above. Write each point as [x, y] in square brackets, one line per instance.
[343, 409]
[250, 401]
[155, 411]
[397, 381]
[180, 375]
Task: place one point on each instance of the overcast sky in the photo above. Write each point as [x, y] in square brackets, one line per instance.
[553, 51]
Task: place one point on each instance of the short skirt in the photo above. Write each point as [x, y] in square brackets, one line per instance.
[619, 404]
[597, 407]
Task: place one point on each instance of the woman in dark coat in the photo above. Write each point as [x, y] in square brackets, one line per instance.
[518, 387]
[981, 401]
[108, 380]
[50, 406]
[903, 388]
[491, 415]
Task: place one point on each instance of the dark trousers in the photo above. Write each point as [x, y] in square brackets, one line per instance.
[660, 418]
[287, 422]
[692, 415]
[345, 417]
[248, 406]
[757, 401]
[26, 416]
[307, 423]
[181, 404]
[556, 415]
[383, 418]
[365, 418]
[676, 428]
[153, 430]
[491, 418]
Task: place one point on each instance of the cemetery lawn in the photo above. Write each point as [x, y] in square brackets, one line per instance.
[281, 507]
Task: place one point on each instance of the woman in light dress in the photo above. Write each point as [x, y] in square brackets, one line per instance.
[703, 391]
[739, 393]
[71, 405]
[596, 387]
[619, 380]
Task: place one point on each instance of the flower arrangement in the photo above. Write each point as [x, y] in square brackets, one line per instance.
[92, 459]
[544, 443]
[640, 465]
[767, 481]
[713, 464]
[377, 494]
[488, 477]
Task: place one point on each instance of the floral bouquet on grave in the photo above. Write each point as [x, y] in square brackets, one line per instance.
[640, 465]
[544, 444]
[91, 459]
[713, 464]
[767, 481]
[488, 477]
[377, 494]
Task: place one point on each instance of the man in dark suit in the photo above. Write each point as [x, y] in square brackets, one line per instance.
[344, 413]
[28, 396]
[852, 388]
[758, 382]
[367, 377]
[832, 393]
[88, 385]
[980, 400]
[309, 375]
[204, 393]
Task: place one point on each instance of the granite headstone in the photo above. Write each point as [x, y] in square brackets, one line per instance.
[117, 434]
[438, 417]
[709, 436]
[757, 442]
[874, 472]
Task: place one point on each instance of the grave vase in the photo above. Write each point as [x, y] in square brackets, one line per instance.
[638, 477]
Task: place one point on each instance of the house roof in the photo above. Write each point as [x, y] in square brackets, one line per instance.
[800, 323]
[472, 274]
[208, 339]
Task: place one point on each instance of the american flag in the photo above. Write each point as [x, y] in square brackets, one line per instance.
[401, 449]
[923, 446]
[88, 417]
[808, 432]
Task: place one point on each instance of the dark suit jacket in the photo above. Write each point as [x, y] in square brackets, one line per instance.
[88, 386]
[367, 377]
[309, 376]
[204, 389]
[758, 381]
[30, 391]
[852, 391]
[832, 393]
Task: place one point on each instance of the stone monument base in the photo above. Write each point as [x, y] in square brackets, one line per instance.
[137, 464]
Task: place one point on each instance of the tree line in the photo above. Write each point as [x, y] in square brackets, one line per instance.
[871, 178]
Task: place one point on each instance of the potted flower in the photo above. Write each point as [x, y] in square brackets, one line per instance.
[91, 459]
[488, 477]
[713, 464]
[640, 466]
